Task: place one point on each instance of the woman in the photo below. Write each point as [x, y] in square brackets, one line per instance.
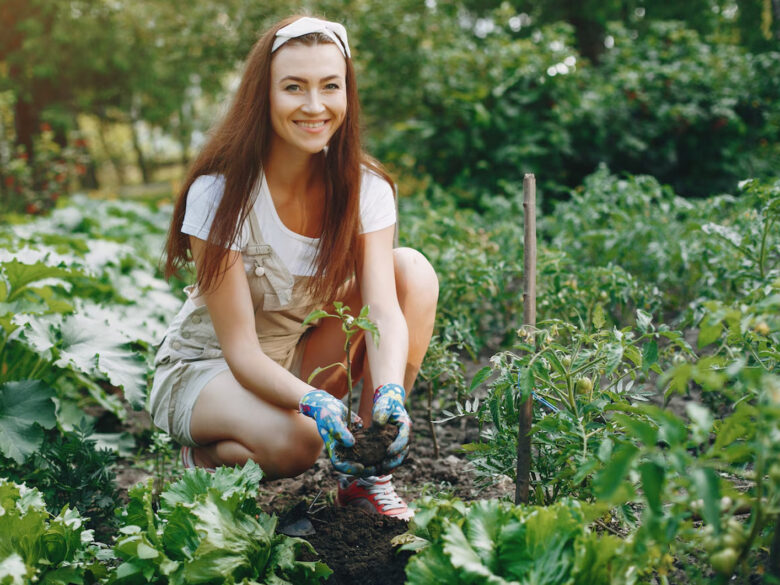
[283, 213]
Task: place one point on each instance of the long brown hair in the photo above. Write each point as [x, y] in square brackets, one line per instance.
[236, 148]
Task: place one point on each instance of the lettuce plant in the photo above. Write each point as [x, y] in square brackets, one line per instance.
[208, 528]
[36, 547]
[496, 543]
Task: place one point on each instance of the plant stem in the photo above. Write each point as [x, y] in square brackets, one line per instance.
[430, 420]
[762, 251]
[349, 381]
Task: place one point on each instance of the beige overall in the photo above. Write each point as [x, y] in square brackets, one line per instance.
[190, 355]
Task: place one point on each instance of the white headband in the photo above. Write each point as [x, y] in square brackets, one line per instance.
[306, 25]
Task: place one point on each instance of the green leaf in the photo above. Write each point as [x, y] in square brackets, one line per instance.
[90, 346]
[608, 480]
[638, 429]
[702, 421]
[525, 382]
[652, 476]
[20, 275]
[25, 407]
[482, 375]
[314, 315]
[649, 355]
[614, 357]
[463, 557]
[707, 487]
[598, 316]
[709, 332]
[643, 320]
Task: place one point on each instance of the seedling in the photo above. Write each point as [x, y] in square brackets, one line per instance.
[351, 326]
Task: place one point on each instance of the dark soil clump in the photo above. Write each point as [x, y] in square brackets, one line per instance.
[356, 545]
[371, 444]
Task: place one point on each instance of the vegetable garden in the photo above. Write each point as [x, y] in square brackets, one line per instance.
[653, 368]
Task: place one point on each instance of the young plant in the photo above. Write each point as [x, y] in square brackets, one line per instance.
[441, 368]
[351, 326]
[69, 470]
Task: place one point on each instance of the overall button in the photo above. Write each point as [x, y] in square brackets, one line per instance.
[176, 345]
[185, 334]
[196, 319]
[259, 271]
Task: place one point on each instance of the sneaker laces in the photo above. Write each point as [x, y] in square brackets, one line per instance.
[383, 491]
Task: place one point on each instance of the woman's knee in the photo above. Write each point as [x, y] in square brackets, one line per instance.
[416, 278]
[299, 450]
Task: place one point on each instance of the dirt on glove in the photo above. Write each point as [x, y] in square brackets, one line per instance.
[371, 444]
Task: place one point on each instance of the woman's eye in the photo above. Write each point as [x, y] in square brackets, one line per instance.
[332, 86]
[292, 87]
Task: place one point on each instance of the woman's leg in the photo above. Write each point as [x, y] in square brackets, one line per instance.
[418, 290]
[234, 425]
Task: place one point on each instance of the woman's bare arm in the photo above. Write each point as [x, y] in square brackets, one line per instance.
[376, 275]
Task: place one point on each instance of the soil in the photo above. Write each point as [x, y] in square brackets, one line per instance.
[355, 544]
[370, 446]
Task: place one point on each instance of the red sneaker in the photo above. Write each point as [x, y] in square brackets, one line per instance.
[374, 493]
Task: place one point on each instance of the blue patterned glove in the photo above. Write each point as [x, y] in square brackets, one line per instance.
[389, 408]
[330, 414]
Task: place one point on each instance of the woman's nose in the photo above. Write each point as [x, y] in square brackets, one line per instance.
[313, 103]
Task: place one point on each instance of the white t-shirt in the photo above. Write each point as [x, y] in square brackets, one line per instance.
[377, 211]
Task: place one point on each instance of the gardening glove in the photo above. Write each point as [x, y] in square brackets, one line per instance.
[330, 414]
[389, 408]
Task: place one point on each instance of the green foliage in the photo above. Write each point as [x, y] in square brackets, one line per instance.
[26, 408]
[78, 302]
[581, 374]
[494, 542]
[36, 547]
[69, 470]
[664, 101]
[208, 529]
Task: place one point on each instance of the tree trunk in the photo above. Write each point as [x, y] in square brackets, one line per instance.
[26, 121]
[776, 18]
[139, 153]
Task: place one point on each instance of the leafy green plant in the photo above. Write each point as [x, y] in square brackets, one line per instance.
[38, 547]
[441, 368]
[579, 374]
[208, 528]
[69, 470]
[351, 326]
[489, 541]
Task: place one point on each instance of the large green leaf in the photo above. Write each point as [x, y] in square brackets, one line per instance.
[92, 347]
[25, 407]
[21, 275]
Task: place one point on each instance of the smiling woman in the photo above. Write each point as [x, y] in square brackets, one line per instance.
[282, 212]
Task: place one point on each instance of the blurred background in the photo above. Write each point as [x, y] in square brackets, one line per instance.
[116, 96]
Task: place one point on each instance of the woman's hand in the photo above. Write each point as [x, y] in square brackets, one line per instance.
[330, 414]
[389, 408]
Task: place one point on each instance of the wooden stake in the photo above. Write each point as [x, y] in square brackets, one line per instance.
[529, 319]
